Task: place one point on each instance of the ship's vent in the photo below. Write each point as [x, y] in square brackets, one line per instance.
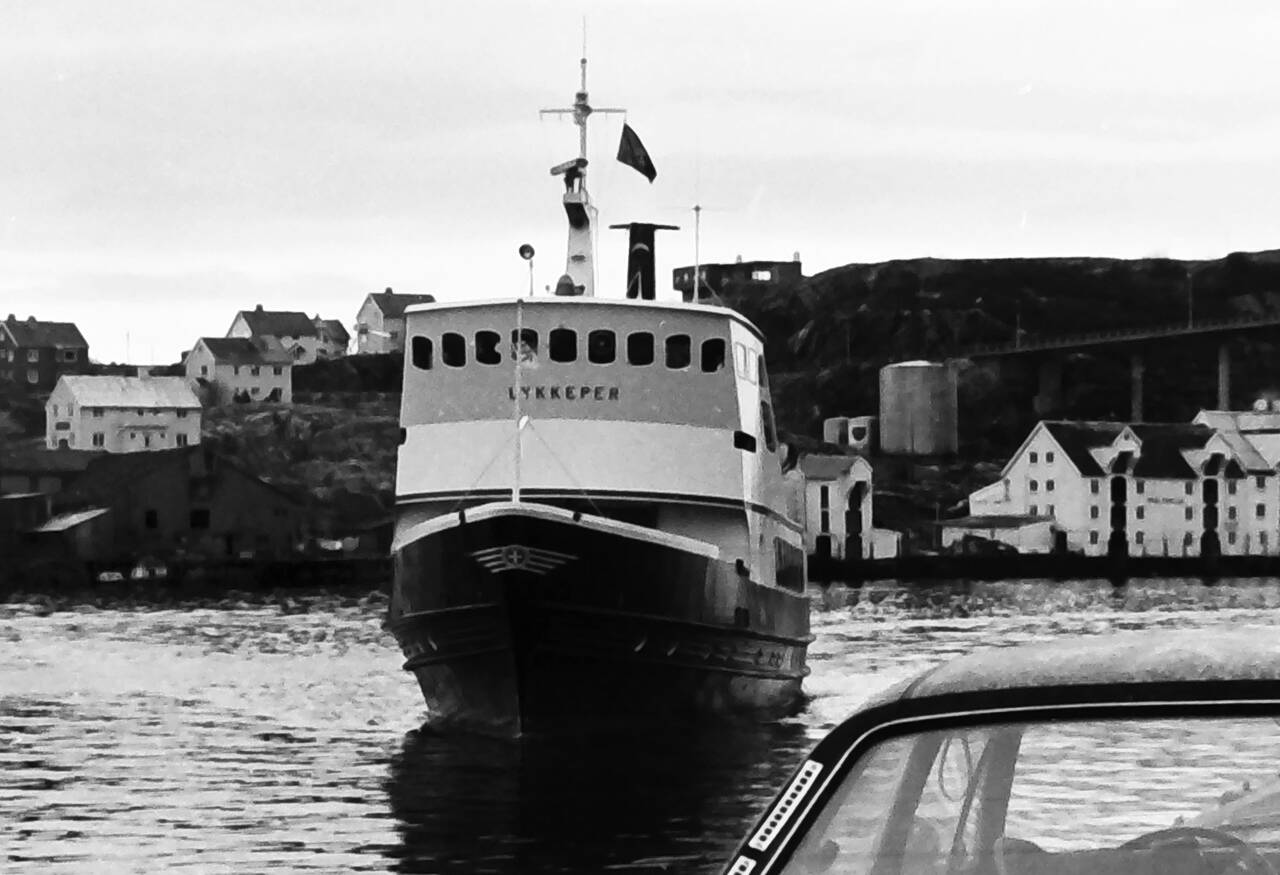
[782, 812]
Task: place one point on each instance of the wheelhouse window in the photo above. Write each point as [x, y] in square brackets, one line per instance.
[453, 349]
[524, 344]
[640, 348]
[422, 352]
[712, 355]
[487, 347]
[562, 345]
[679, 351]
[602, 347]
[770, 431]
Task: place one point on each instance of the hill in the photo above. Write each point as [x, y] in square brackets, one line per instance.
[829, 334]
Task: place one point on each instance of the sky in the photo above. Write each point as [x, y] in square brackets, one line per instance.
[166, 164]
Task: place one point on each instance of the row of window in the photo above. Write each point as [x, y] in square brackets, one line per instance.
[603, 347]
[100, 412]
[1140, 486]
[33, 376]
[254, 370]
[99, 439]
[1048, 457]
[198, 518]
[1188, 538]
[33, 355]
[1259, 512]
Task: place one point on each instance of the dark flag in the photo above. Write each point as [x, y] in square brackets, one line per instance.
[631, 152]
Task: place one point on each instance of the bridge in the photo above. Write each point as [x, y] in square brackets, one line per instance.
[1119, 336]
[1050, 369]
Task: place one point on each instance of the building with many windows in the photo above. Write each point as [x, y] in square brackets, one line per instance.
[297, 332]
[241, 369]
[34, 353]
[380, 321]
[1142, 489]
[717, 278]
[121, 414]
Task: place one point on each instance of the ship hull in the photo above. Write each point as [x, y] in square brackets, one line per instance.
[515, 623]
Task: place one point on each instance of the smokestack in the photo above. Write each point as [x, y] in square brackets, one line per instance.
[641, 259]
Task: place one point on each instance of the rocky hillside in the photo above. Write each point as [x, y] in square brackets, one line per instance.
[829, 335]
[338, 449]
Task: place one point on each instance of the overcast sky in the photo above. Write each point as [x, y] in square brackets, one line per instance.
[164, 164]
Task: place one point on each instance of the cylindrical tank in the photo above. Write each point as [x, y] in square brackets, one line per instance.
[835, 430]
[918, 409]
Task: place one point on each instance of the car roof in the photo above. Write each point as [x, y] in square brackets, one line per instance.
[1173, 673]
[1113, 659]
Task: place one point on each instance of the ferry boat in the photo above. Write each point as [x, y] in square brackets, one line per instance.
[591, 513]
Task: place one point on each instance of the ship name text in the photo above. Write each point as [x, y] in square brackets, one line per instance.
[567, 393]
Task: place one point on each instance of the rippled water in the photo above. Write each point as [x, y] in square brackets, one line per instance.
[278, 733]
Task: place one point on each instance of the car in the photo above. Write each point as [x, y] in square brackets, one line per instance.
[1130, 752]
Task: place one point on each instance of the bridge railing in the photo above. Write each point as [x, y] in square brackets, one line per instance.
[1094, 338]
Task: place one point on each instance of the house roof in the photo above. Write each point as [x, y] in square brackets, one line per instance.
[64, 521]
[131, 391]
[46, 461]
[1162, 448]
[995, 521]
[31, 332]
[335, 330]
[393, 305]
[1078, 438]
[816, 466]
[1267, 443]
[110, 474]
[1240, 420]
[247, 350]
[278, 323]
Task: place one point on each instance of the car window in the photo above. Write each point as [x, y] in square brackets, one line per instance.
[1124, 796]
[1099, 784]
[904, 805]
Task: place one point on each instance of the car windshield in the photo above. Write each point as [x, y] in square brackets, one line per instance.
[1123, 796]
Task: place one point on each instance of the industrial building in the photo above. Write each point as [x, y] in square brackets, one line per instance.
[718, 278]
[1209, 487]
[837, 509]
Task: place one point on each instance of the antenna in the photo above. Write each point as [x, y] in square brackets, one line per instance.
[579, 275]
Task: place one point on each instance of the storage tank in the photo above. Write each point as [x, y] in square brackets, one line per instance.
[918, 409]
[835, 430]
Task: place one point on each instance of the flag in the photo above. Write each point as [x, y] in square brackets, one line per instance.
[631, 152]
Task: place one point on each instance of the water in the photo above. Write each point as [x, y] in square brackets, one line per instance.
[278, 733]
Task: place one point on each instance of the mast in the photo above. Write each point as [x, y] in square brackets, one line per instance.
[579, 272]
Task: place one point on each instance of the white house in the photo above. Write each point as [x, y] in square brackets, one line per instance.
[241, 369]
[1162, 489]
[333, 338]
[297, 332]
[837, 509]
[121, 414]
[380, 321]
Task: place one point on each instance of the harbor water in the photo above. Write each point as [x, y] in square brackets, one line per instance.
[278, 733]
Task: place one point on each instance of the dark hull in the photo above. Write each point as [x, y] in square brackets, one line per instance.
[514, 624]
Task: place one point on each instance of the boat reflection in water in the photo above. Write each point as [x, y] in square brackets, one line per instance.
[477, 804]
